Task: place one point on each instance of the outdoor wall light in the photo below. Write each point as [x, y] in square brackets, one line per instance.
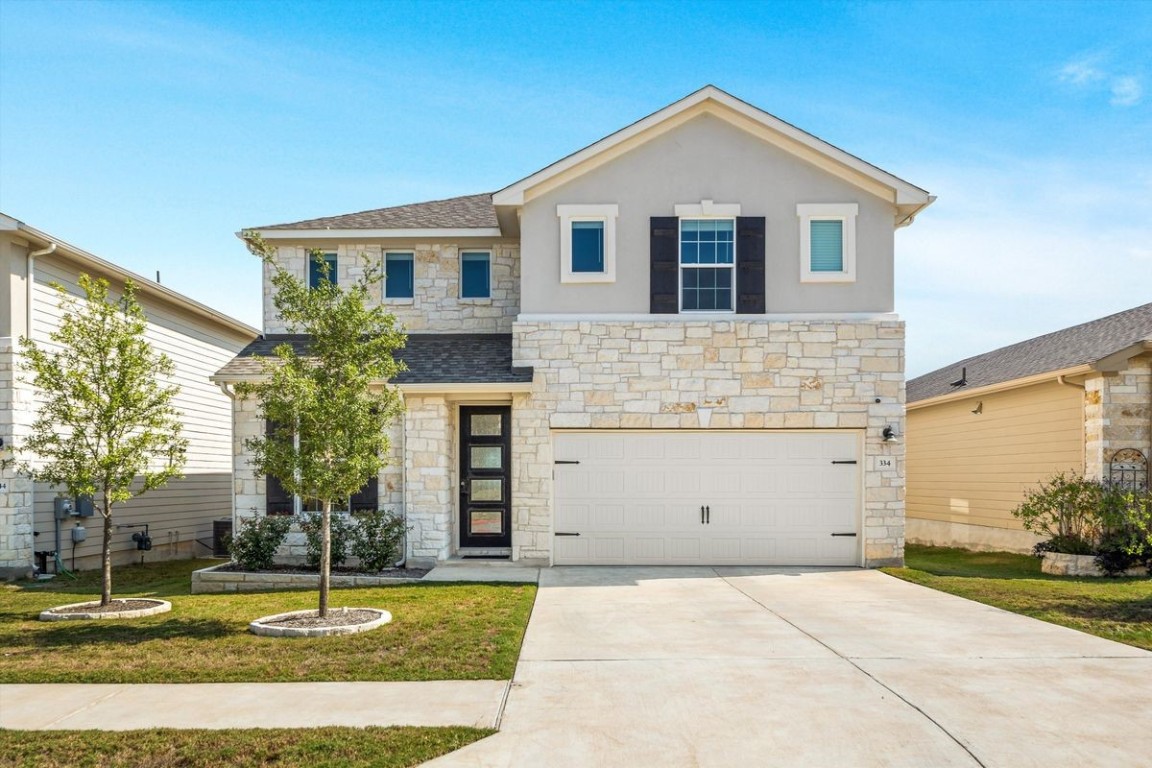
[889, 434]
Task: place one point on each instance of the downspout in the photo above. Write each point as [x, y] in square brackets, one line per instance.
[232, 397]
[30, 286]
[1061, 380]
[1083, 437]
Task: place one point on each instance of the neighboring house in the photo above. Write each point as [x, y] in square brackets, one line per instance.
[198, 339]
[983, 430]
[675, 346]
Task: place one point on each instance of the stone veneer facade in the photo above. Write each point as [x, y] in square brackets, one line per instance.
[1117, 414]
[437, 307]
[751, 374]
[16, 417]
[645, 374]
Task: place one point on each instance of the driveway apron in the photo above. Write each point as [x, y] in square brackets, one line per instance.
[805, 667]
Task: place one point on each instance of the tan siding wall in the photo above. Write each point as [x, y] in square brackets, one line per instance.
[974, 468]
[181, 512]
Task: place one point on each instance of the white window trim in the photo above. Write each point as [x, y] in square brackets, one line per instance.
[706, 209]
[844, 212]
[606, 213]
[681, 266]
[460, 261]
[384, 283]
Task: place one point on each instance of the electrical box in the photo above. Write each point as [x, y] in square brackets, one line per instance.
[79, 534]
[84, 506]
[63, 507]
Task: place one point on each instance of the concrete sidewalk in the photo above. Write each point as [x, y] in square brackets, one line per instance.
[475, 703]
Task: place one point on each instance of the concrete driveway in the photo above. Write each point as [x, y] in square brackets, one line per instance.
[806, 667]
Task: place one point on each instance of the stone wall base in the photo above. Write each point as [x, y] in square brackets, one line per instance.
[212, 580]
[979, 538]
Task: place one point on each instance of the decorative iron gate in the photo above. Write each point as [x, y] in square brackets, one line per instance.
[1128, 470]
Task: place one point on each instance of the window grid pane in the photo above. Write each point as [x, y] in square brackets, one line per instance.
[398, 280]
[827, 245]
[587, 246]
[707, 241]
[316, 272]
[474, 276]
[703, 243]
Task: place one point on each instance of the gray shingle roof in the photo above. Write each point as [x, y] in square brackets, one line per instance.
[1078, 345]
[432, 358]
[467, 212]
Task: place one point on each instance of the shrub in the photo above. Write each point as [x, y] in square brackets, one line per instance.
[254, 546]
[341, 529]
[377, 539]
[1070, 509]
[1127, 540]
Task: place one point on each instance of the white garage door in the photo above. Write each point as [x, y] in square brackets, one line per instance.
[706, 498]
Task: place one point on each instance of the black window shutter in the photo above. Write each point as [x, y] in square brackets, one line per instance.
[277, 501]
[365, 499]
[664, 280]
[750, 265]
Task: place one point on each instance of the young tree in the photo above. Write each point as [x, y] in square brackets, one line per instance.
[330, 406]
[107, 427]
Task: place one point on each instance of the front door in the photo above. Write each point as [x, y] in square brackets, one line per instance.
[485, 493]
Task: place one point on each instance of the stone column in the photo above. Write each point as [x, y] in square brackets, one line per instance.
[16, 513]
[428, 429]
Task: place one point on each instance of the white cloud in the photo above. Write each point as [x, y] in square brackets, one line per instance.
[1016, 250]
[1081, 72]
[1126, 92]
[1092, 73]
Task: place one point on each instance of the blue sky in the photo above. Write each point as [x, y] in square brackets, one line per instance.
[149, 132]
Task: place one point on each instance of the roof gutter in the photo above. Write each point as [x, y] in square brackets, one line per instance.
[1003, 386]
[911, 216]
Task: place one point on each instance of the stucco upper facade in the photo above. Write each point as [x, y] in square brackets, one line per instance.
[806, 359]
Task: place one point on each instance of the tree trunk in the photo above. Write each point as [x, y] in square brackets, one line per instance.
[106, 578]
[325, 556]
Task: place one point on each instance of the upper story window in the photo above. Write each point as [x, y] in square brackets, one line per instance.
[475, 275]
[399, 275]
[827, 242]
[587, 243]
[707, 265]
[323, 268]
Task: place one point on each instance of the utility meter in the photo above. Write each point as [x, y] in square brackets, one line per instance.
[79, 534]
[63, 507]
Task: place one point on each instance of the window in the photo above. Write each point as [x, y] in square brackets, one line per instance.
[398, 275]
[827, 242]
[587, 243]
[475, 275]
[323, 268]
[707, 264]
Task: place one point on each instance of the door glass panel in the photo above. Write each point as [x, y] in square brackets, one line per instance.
[486, 424]
[484, 521]
[487, 457]
[487, 490]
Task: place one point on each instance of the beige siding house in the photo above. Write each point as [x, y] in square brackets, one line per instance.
[677, 345]
[198, 339]
[983, 430]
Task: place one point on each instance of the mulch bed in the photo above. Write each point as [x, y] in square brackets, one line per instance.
[114, 606]
[337, 617]
[394, 573]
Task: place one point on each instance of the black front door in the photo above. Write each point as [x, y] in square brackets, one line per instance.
[485, 493]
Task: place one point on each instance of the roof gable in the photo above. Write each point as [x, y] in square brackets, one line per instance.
[908, 198]
[1090, 343]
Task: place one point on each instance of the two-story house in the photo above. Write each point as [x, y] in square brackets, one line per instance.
[674, 346]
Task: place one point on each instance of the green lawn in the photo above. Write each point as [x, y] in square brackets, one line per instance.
[246, 748]
[1116, 609]
[438, 632]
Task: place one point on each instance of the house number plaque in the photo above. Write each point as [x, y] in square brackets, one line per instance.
[885, 462]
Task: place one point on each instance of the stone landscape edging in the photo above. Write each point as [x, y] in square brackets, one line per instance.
[161, 606]
[263, 627]
[213, 580]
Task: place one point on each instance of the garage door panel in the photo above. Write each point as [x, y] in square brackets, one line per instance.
[773, 498]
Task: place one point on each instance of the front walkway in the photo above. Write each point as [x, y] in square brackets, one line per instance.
[803, 667]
